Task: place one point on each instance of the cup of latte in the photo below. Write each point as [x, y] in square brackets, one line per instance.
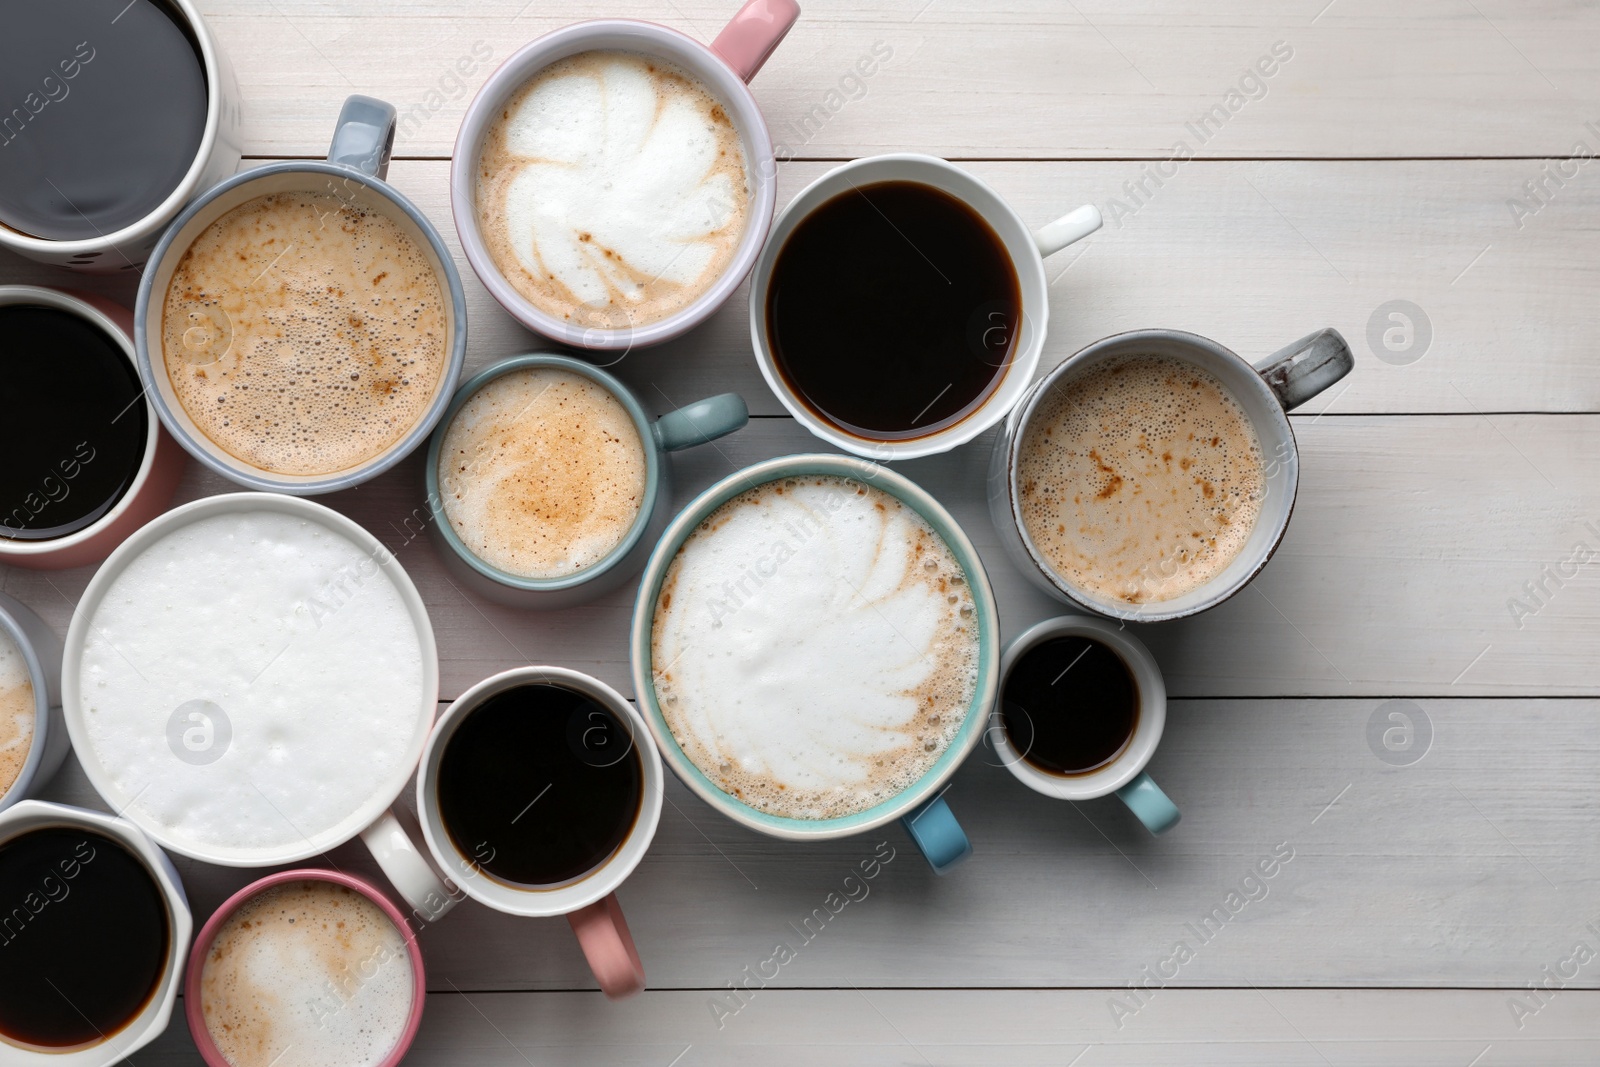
[33, 736]
[302, 325]
[305, 968]
[549, 483]
[1151, 475]
[815, 648]
[613, 180]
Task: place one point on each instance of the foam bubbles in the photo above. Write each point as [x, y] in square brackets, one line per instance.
[814, 647]
[17, 711]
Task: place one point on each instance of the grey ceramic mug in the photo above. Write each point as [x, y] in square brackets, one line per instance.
[40, 651]
[358, 159]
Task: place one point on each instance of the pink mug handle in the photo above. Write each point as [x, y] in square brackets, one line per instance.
[603, 935]
[751, 35]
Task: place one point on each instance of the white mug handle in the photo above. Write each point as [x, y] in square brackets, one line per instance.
[409, 868]
[1073, 226]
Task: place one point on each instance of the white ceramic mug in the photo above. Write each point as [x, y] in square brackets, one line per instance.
[41, 654]
[1026, 247]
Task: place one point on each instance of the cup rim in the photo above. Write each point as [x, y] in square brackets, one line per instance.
[1022, 365]
[1146, 732]
[194, 966]
[987, 613]
[517, 69]
[162, 213]
[157, 529]
[252, 477]
[594, 884]
[1017, 425]
[12, 628]
[641, 422]
[71, 303]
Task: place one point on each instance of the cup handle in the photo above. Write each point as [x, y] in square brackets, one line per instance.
[608, 946]
[704, 420]
[1153, 807]
[429, 893]
[751, 35]
[1073, 226]
[934, 829]
[364, 136]
[1300, 371]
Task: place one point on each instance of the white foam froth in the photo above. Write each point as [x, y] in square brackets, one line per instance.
[815, 647]
[17, 711]
[301, 640]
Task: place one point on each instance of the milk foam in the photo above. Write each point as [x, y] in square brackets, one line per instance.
[542, 473]
[307, 974]
[1141, 479]
[17, 711]
[612, 190]
[814, 647]
[297, 636]
[305, 333]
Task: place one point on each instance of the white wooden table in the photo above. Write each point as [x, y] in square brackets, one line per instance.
[1378, 163]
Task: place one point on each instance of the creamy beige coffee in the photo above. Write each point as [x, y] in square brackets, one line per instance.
[307, 974]
[1140, 479]
[814, 647]
[542, 473]
[304, 333]
[17, 711]
[612, 190]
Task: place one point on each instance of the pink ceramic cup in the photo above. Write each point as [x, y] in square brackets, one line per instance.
[202, 946]
[724, 66]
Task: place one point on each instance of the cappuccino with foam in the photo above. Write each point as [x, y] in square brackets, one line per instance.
[612, 190]
[1140, 479]
[17, 711]
[307, 974]
[814, 647]
[542, 472]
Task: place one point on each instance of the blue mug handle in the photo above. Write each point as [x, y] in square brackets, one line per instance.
[934, 829]
[1153, 807]
[700, 422]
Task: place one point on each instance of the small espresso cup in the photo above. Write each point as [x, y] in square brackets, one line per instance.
[39, 650]
[588, 901]
[1024, 246]
[352, 179]
[145, 497]
[56, 891]
[1266, 392]
[693, 424]
[722, 67]
[1125, 775]
[334, 995]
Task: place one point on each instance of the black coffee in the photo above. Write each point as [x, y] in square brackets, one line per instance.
[1070, 705]
[539, 785]
[83, 937]
[102, 110]
[892, 310]
[70, 403]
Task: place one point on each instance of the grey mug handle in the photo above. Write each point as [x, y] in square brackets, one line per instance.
[700, 422]
[364, 136]
[1300, 371]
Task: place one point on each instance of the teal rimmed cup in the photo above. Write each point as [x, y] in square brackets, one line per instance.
[693, 424]
[921, 808]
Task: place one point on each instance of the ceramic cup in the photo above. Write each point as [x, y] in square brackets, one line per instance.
[202, 948]
[41, 654]
[352, 177]
[152, 1019]
[1026, 247]
[1125, 776]
[693, 424]
[724, 67]
[221, 144]
[921, 807]
[590, 902]
[1267, 391]
[159, 471]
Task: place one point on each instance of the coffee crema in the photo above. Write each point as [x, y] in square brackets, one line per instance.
[307, 974]
[1140, 479]
[542, 473]
[814, 647]
[17, 711]
[612, 190]
[305, 334]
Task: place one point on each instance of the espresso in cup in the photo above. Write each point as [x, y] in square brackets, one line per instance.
[1070, 705]
[18, 709]
[612, 189]
[814, 647]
